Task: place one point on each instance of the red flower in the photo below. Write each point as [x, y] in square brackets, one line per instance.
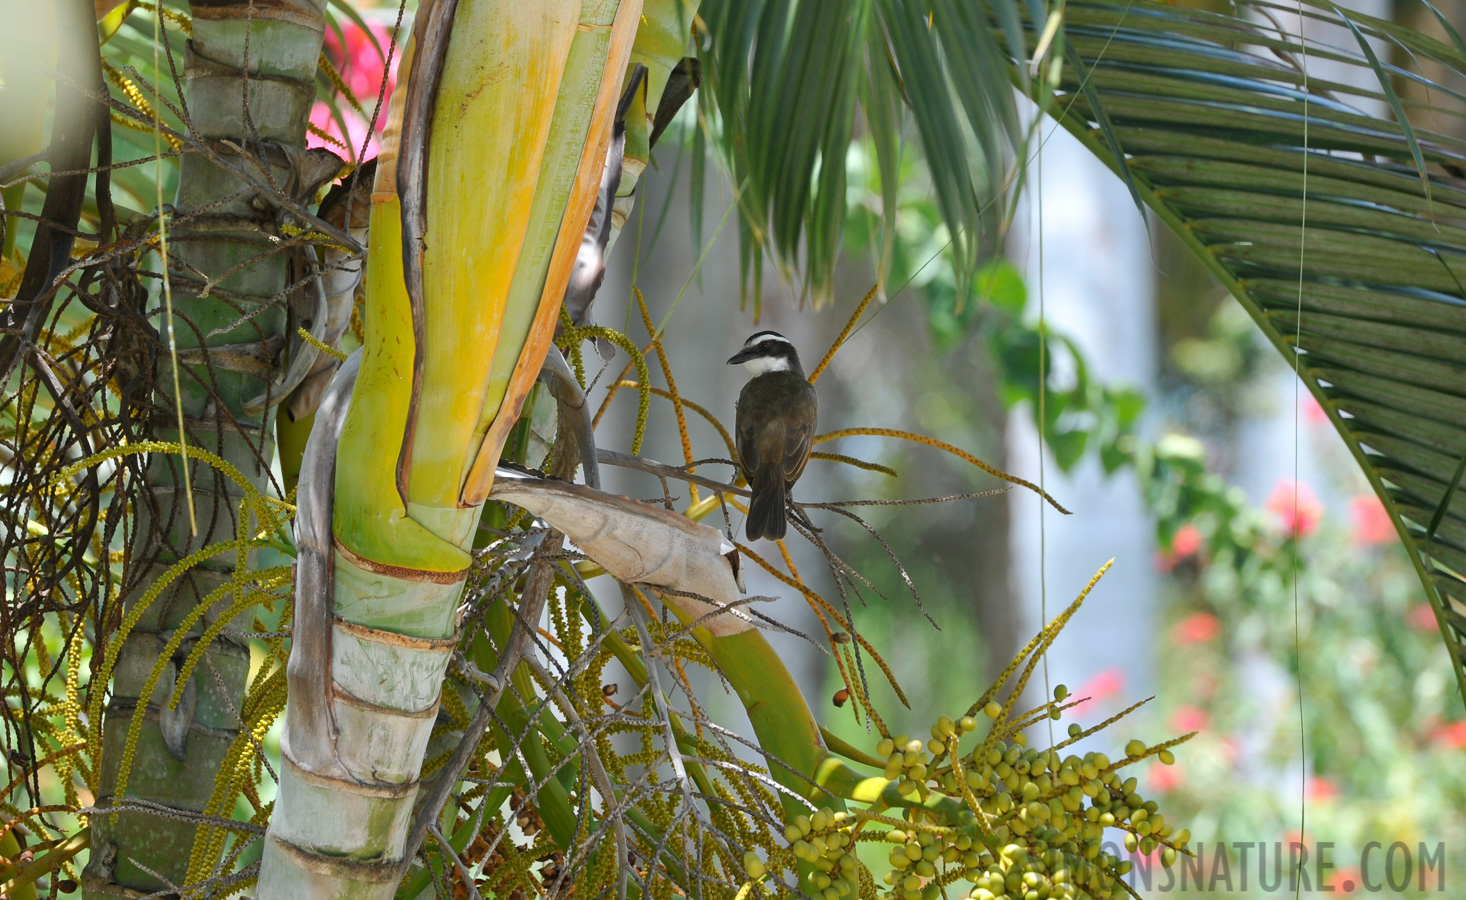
[1344, 881]
[1296, 508]
[1101, 685]
[1166, 778]
[1197, 628]
[1452, 736]
[1422, 617]
[1320, 788]
[1189, 718]
[1372, 525]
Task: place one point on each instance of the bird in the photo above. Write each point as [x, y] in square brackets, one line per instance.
[775, 422]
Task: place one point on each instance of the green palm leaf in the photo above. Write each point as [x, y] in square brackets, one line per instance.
[1214, 123]
[1234, 148]
[784, 81]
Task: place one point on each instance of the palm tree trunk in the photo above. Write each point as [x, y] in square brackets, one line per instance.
[249, 80]
[454, 341]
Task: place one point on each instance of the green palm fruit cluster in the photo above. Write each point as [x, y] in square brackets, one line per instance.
[1038, 817]
[825, 841]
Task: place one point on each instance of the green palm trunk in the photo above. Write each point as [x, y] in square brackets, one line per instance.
[268, 53]
[530, 89]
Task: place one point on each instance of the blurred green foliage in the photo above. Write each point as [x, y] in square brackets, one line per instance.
[1258, 603]
[1079, 412]
[1262, 604]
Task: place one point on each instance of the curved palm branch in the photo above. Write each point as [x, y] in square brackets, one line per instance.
[1216, 125]
[1236, 148]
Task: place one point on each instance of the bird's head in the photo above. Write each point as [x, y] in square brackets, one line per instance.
[767, 351]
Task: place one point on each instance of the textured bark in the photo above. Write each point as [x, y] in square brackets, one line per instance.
[248, 82]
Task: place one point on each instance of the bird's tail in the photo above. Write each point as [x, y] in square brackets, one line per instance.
[766, 514]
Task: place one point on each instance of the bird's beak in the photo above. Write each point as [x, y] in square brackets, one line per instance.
[742, 356]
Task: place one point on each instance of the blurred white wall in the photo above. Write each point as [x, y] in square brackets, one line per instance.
[1083, 248]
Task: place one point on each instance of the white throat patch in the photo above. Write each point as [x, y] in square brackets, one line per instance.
[766, 364]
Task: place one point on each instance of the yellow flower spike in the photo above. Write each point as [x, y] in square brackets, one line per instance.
[695, 407]
[328, 68]
[324, 348]
[942, 445]
[114, 647]
[272, 577]
[816, 600]
[643, 375]
[180, 634]
[646, 319]
[140, 103]
[844, 333]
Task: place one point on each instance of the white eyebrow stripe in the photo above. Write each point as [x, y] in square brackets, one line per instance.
[765, 338]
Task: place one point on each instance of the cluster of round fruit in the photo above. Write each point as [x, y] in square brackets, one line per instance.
[825, 841]
[1040, 816]
[1015, 822]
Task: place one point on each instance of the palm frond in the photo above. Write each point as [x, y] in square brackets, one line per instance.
[1336, 220]
[787, 83]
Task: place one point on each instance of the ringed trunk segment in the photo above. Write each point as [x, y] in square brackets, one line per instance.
[520, 121]
[222, 365]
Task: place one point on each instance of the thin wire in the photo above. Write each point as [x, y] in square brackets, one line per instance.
[193, 524]
[1043, 389]
[1297, 349]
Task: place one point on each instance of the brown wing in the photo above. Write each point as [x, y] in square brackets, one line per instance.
[748, 457]
[801, 435]
[783, 443]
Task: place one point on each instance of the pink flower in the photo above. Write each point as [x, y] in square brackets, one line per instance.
[1452, 736]
[1185, 543]
[1189, 718]
[1313, 414]
[1422, 617]
[1197, 628]
[1102, 685]
[1344, 881]
[1166, 778]
[1372, 525]
[1187, 540]
[1320, 788]
[1296, 508]
[361, 69]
